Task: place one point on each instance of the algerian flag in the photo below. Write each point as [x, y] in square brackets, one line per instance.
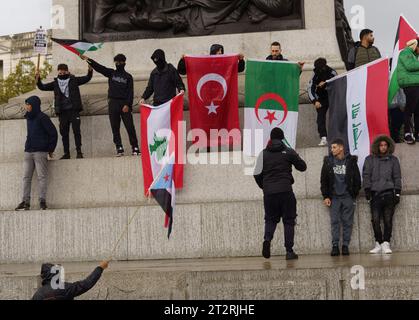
[78, 47]
[272, 91]
[405, 33]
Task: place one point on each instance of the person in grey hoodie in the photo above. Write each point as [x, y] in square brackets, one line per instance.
[382, 185]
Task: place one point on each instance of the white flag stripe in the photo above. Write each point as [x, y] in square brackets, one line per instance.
[356, 101]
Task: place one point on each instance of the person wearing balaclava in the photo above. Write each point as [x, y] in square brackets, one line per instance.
[54, 287]
[318, 95]
[215, 49]
[273, 174]
[164, 81]
[41, 141]
[121, 99]
[67, 104]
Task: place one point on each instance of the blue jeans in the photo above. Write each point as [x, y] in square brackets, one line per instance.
[342, 214]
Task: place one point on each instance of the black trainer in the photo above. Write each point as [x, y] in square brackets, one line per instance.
[136, 151]
[80, 155]
[345, 251]
[43, 205]
[291, 256]
[266, 252]
[335, 251]
[23, 206]
[120, 152]
[409, 139]
[66, 156]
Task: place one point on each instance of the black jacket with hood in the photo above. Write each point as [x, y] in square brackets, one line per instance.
[73, 88]
[42, 135]
[320, 75]
[352, 177]
[121, 83]
[164, 80]
[382, 173]
[273, 172]
[70, 290]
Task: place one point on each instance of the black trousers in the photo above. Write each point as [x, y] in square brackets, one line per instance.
[67, 118]
[383, 206]
[396, 122]
[321, 118]
[115, 116]
[277, 206]
[412, 108]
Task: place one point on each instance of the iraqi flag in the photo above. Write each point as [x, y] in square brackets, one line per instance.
[163, 190]
[213, 96]
[78, 47]
[162, 136]
[405, 33]
[358, 110]
[272, 91]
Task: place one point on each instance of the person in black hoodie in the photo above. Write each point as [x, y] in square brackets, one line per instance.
[340, 184]
[68, 104]
[41, 141]
[317, 94]
[52, 289]
[121, 98]
[273, 174]
[164, 81]
[214, 50]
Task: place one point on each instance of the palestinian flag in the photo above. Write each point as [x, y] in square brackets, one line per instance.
[162, 136]
[78, 47]
[163, 190]
[405, 33]
[358, 110]
[272, 91]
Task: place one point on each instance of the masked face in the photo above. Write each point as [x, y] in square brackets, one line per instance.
[63, 74]
[120, 66]
[159, 63]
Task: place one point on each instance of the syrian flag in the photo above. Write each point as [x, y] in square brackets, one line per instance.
[405, 33]
[358, 110]
[213, 96]
[272, 91]
[163, 190]
[162, 136]
[78, 47]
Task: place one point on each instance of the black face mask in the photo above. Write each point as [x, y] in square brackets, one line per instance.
[120, 67]
[160, 64]
[64, 77]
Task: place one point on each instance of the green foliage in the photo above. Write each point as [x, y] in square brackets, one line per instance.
[22, 80]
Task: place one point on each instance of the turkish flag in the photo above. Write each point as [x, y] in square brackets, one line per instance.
[213, 97]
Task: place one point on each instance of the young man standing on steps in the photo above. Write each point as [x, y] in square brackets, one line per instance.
[340, 185]
[68, 104]
[121, 99]
[41, 141]
[273, 174]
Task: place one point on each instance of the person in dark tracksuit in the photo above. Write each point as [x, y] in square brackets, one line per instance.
[215, 49]
[383, 186]
[121, 98]
[273, 174]
[67, 104]
[52, 289]
[164, 81]
[318, 95]
[340, 185]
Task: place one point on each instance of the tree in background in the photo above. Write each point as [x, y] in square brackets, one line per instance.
[22, 80]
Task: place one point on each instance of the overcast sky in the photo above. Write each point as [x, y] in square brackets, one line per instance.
[380, 16]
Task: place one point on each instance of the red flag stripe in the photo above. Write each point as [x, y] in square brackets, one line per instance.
[145, 155]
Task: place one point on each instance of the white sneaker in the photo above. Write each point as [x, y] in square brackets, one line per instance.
[323, 142]
[385, 247]
[377, 249]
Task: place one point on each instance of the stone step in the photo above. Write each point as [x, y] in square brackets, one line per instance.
[98, 141]
[108, 182]
[201, 230]
[316, 277]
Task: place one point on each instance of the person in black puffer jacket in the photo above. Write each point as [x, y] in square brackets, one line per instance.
[383, 185]
[53, 289]
[67, 104]
[273, 174]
